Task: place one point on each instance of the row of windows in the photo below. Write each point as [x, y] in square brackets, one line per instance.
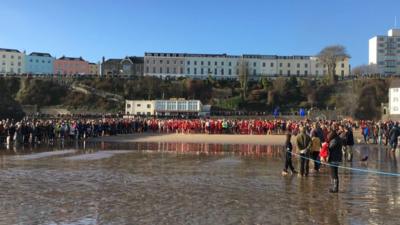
[10, 70]
[222, 71]
[11, 56]
[298, 65]
[11, 63]
[389, 39]
[37, 61]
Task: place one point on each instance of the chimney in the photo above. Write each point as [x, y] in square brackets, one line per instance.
[103, 59]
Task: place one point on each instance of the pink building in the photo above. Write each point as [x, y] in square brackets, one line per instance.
[71, 66]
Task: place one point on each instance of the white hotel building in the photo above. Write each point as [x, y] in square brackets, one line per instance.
[223, 66]
[162, 107]
[384, 51]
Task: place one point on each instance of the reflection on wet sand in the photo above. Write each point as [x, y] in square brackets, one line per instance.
[180, 183]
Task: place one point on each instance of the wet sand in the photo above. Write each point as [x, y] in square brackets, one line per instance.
[197, 138]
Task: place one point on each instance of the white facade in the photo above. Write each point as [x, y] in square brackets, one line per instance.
[11, 61]
[384, 51]
[394, 101]
[223, 66]
[162, 107]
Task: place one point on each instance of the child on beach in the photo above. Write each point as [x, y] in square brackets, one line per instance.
[288, 158]
[324, 152]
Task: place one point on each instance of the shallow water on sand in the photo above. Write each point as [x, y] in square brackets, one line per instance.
[176, 183]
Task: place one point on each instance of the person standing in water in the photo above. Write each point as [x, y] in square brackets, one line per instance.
[335, 158]
[303, 142]
[288, 158]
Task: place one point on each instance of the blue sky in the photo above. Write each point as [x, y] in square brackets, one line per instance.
[117, 28]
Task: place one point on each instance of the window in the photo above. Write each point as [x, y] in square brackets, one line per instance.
[254, 64]
[316, 72]
[342, 72]
[148, 106]
[195, 70]
[280, 64]
[209, 71]
[201, 63]
[195, 63]
[201, 71]
[154, 70]
[222, 71]
[230, 63]
[4, 56]
[209, 63]
[215, 71]
[288, 72]
[230, 71]
[222, 63]
[167, 61]
[30, 60]
[188, 71]
[306, 73]
[138, 105]
[342, 65]
[147, 69]
[12, 56]
[37, 60]
[298, 72]
[128, 106]
[154, 61]
[215, 63]
[305, 65]
[174, 70]
[272, 64]
[167, 70]
[288, 64]
[181, 70]
[19, 63]
[160, 69]
[254, 72]
[280, 72]
[188, 62]
[298, 65]
[161, 61]
[263, 64]
[174, 62]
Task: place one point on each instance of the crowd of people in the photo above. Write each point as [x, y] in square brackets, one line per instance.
[38, 131]
[331, 143]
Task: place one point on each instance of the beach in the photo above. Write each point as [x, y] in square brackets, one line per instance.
[197, 138]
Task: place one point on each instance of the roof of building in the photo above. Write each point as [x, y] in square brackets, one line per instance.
[134, 59]
[395, 83]
[113, 61]
[40, 54]
[9, 50]
[92, 63]
[71, 58]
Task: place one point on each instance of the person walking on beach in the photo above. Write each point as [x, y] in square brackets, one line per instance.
[335, 157]
[393, 136]
[288, 154]
[303, 142]
[315, 147]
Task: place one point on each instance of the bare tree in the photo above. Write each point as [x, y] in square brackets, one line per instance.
[330, 56]
[243, 76]
[362, 70]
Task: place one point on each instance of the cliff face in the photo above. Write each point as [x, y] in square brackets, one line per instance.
[350, 98]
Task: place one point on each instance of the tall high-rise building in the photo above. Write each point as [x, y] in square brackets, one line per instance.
[384, 51]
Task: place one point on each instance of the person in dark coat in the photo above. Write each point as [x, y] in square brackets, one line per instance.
[335, 157]
[288, 158]
[303, 142]
[393, 136]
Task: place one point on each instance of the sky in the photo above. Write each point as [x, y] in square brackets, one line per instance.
[118, 28]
